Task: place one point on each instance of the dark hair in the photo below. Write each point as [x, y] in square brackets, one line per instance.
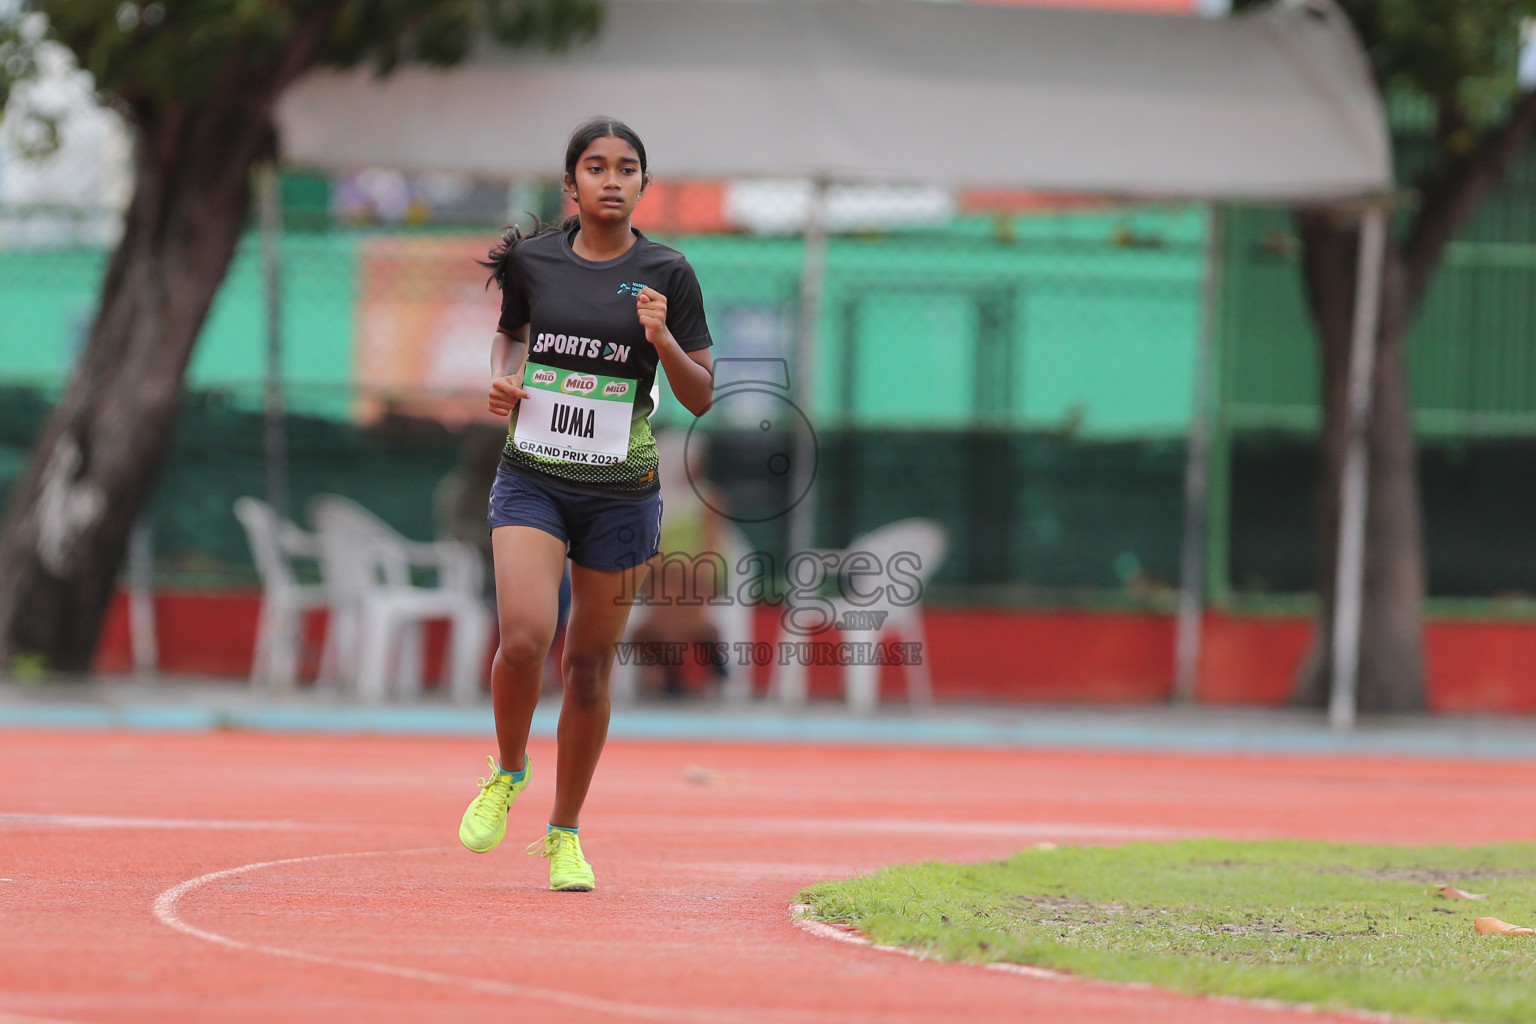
[500, 257]
[594, 128]
[586, 133]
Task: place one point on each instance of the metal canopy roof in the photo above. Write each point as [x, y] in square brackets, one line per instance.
[1276, 104]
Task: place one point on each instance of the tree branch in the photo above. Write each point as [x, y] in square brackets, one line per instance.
[1453, 192]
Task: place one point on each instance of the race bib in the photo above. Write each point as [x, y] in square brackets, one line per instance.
[573, 416]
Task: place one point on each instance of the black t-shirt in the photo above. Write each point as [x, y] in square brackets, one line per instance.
[591, 373]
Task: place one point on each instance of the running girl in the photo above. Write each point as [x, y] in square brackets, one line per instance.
[588, 312]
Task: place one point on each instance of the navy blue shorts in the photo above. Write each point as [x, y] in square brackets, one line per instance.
[607, 534]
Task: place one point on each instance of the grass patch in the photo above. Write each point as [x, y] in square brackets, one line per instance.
[1339, 927]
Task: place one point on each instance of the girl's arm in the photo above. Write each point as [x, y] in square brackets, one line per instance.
[509, 352]
[691, 374]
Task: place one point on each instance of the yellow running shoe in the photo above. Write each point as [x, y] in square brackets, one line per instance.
[485, 822]
[568, 869]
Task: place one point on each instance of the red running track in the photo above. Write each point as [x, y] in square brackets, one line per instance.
[371, 912]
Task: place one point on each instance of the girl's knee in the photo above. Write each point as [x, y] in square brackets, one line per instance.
[522, 646]
[586, 673]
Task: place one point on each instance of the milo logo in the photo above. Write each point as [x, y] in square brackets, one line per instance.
[579, 384]
[615, 387]
[544, 376]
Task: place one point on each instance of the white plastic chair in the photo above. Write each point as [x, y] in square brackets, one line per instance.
[925, 542]
[733, 621]
[275, 545]
[378, 610]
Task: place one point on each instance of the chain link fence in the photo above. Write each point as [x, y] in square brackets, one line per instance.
[1017, 367]
[1472, 384]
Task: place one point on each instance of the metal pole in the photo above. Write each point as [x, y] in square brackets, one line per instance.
[802, 517]
[1186, 673]
[1354, 485]
[141, 598]
[275, 435]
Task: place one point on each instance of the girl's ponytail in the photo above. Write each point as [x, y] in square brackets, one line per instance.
[499, 259]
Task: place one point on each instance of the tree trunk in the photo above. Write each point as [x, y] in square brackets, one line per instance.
[66, 529]
[69, 516]
[1391, 671]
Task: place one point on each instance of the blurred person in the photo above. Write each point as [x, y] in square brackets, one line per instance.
[674, 608]
[589, 311]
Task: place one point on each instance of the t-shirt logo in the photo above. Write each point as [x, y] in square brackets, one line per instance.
[579, 384]
[632, 288]
[572, 345]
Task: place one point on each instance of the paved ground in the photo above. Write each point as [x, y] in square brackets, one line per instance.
[198, 854]
[197, 706]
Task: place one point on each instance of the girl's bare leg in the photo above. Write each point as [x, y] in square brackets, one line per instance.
[600, 606]
[529, 566]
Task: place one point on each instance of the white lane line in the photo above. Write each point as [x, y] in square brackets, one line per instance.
[103, 821]
[17, 1018]
[165, 909]
[843, 933]
[1023, 830]
[850, 936]
[764, 870]
[712, 824]
[823, 930]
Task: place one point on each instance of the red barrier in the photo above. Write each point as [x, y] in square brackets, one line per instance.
[1481, 666]
[1251, 659]
[973, 654]
[197, 632]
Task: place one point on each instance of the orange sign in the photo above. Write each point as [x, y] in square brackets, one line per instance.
[424, 329]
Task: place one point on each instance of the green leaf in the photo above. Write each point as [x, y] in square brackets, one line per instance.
[165, 51]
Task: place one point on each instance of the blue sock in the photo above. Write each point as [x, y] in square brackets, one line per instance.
[562, 828]
[518, 775]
